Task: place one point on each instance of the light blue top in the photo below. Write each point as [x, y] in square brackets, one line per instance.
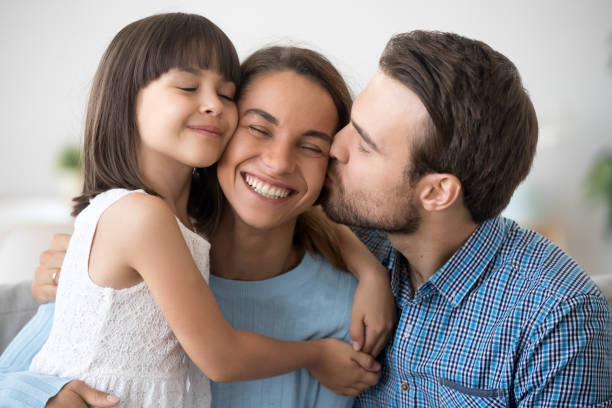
[311, 301]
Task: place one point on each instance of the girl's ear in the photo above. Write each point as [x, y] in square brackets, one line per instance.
[438, 191]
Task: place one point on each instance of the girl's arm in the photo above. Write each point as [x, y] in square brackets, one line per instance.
[143, 235]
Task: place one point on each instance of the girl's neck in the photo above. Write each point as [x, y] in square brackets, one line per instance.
[171, 181]
[242, 252]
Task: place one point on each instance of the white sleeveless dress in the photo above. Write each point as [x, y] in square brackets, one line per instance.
[118, 340]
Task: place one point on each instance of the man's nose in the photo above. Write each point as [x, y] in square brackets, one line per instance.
[339, 147]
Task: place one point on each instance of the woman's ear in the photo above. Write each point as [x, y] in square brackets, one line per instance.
[438, 191]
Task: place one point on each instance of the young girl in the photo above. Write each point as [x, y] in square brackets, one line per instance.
[131, 293]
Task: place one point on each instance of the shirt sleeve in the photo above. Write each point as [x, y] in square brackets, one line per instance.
[18, 386]
[568, 360]
[377, 242]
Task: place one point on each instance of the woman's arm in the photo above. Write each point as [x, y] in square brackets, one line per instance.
[374, 311]
[142, 234]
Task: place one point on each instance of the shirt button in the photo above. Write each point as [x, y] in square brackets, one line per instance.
[404, 387]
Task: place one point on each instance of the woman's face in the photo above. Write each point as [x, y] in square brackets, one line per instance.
[274, 166]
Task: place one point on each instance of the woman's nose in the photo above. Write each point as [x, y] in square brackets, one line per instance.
[339, 147]
[278, 158]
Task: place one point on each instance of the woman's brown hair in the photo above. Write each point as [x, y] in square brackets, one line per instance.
[140, 53]
[314, 232]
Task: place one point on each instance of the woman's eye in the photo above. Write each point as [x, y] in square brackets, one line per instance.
[257, 131]
[312, 148]
[187, 89]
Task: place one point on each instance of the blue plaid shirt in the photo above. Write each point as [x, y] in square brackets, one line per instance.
[509, 320]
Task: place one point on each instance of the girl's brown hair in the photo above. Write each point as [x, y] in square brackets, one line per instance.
[140, 53]
[314, 232]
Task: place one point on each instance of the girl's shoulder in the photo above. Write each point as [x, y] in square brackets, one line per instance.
[131, 213]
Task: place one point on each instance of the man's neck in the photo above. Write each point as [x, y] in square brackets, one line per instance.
[241, 252]
[428, 249]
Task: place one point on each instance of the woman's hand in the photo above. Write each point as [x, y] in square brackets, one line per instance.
[77, 394]
[373, 313]
[344, 370]
[44, 286]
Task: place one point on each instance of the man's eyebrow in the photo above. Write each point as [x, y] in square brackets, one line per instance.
[364, 135]
[263, 114]
[320, 135]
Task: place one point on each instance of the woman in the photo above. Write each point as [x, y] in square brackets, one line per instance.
[272, 252]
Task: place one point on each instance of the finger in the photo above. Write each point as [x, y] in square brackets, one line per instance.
[372, 334]
[351, 391]
[48, 293]
[366, 361]
[380, 345]
[92, 396]
[51, 258]
[368, 379]
[59, 242]
[43, 293]
[357, 331]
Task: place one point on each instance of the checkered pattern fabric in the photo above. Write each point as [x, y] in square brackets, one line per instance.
[509, 321]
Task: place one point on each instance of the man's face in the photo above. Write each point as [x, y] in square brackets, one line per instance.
[368, 181]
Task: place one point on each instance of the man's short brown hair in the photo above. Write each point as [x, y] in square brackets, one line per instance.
[482, 129]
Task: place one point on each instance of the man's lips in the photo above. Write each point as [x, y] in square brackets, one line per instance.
[213, 130]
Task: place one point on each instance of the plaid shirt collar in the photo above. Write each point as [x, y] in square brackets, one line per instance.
[459, 274]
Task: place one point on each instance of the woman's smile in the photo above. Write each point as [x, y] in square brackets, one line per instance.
[267, 189]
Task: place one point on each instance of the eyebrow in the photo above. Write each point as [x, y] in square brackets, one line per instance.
[364, 135]
[270, 118]
[263, 114]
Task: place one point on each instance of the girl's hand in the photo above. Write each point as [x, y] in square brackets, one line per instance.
[344, 370]
[44, 286]
[373, 313]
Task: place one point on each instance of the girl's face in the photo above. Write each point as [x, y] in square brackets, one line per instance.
[274, 167]
[185, 117]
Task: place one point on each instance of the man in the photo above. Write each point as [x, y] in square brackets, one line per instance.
[490, 314]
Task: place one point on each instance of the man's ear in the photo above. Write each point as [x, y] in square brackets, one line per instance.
[438, 191]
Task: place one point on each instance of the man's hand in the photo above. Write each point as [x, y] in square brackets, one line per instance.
[77, 394]
[44, 286]
[344, 370]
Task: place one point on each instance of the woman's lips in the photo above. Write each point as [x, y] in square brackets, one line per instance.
[266, 188]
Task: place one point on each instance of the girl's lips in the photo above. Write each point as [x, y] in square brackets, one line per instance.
[206, 129]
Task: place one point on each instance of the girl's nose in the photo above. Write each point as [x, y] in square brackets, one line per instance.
[210, 103]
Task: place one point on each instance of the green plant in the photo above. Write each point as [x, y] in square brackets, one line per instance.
[69, 158]
[599, 183]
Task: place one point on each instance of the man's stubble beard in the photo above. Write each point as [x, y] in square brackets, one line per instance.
[392, 212]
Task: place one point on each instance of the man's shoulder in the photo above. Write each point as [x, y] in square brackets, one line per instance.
[542, 266]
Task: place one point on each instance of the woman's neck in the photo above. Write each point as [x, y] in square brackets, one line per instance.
[242, 252]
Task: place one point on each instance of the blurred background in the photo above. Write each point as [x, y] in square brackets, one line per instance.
[563, 49]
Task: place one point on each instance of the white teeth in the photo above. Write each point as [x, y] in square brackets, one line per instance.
[266, 189]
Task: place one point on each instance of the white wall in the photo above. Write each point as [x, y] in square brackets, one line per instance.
[50, 50]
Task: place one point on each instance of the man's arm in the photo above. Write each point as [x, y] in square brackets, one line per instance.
[568, 360]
